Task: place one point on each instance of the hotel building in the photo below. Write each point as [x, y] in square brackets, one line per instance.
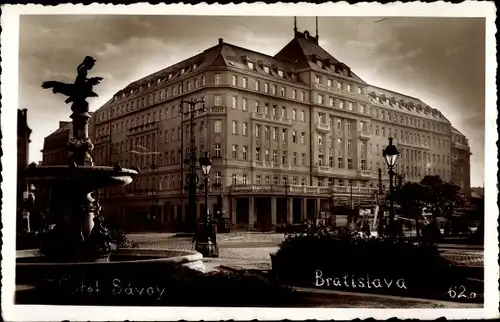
[289, 136]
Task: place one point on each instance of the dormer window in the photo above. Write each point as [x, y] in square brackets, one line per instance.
[359, 90]
[182, 71]
[318, 79]
[280, 72]
[195, 66]
[251, 65]
[170, 76]
[158, 81]
[266, 69]
[294, 76]
[320, 63]
[149, 84]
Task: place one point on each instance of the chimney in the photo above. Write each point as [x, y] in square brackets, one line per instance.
[221, 41]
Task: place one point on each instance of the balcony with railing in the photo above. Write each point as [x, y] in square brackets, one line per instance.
[271, 118]
[341, 92]
[102, 139]
[461, 146]
[364, 134]
[139, 129]
[417, 145]
[323, 127]
[302, 190]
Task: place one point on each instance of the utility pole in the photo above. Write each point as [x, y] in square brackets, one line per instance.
[192, 178]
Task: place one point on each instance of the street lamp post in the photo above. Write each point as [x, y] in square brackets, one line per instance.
[207, 243]
[192, 178]
[391, 155]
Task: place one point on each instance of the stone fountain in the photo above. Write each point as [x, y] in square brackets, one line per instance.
[80, 241]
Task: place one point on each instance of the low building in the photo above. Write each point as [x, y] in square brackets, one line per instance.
[55, 146]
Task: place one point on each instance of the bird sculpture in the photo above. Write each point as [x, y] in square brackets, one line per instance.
[81, 88]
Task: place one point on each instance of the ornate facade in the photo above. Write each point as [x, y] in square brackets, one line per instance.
[300, 124]
[460, 155]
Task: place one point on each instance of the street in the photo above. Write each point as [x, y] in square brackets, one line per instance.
[252, 249]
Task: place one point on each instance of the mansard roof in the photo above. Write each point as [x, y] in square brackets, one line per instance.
[304, 51]
[406, 103]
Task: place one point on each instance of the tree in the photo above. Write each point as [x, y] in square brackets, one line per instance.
[442, 197]
[412, 198]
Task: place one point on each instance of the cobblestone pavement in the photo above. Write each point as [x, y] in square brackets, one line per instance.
[256, 247]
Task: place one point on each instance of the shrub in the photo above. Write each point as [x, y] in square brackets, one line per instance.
[420, 266]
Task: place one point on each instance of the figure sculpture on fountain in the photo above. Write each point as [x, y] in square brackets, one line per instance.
[80, 144]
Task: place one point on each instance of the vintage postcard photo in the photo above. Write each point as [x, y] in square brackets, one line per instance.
[250, 161]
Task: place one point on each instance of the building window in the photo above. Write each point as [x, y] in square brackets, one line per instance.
[235, 152]
[350, 106]
[329, 83]
[245, 178]
[257, 154]
[235, 80]
[245, 152]
[330, 162]
[321, 160]
[294, 114]
[266, 132]
[340, 163]
[217, 79]
[266, 69]
[320, 99]
[302, 96]
[258, 179]
[363, 164]
[283, 135]
[280, 72]
[302, 137]
[275, 180]
[320, 139]
[235, 127]
[250, 65]
[266, 87]
[302, 116]
[217, 126]
[294, 94]
[218, 177]
[244, 104]
[217, 100]
[349, 144]
[294, 136]
[257, 131]
[267, 155]
[331, 101]
[303, 159]
[317, 79]
[218, 151]
[268, 180]
[339, 85]
[235, 101]
[294, 158]
[257, 85]
[234, 179]
[275, 89]
[348, 88]
[245, 129]
[283, 91]
[275, 156]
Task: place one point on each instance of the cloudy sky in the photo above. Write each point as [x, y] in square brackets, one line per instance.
[439, 60]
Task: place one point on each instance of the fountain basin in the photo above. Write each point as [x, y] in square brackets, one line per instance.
[32, 267]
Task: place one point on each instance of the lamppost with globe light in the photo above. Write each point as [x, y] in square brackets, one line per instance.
[206, 243]
[391, 154]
